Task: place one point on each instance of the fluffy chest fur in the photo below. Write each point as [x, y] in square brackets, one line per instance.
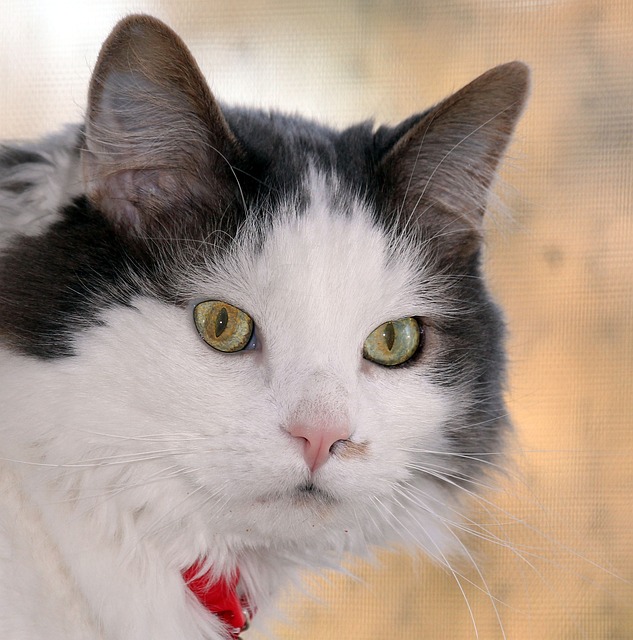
[131, 448]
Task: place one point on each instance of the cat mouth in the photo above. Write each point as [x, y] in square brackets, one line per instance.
[306, 494]
[310, 493]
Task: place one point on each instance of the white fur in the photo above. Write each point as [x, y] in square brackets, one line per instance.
[148, 449]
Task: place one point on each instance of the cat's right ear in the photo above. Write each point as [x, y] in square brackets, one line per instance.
[156, 138]
[439, 171]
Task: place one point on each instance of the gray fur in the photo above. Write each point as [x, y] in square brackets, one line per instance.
[36, 180]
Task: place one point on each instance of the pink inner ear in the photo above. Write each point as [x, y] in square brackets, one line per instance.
[132, 197]
[115, 195]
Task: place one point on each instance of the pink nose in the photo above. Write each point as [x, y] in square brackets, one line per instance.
[318, 441]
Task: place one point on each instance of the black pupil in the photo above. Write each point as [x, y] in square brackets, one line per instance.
[389, 335]
[221, 321]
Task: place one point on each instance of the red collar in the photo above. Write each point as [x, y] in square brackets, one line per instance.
[220, 598]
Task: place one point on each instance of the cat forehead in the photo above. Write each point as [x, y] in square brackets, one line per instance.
[325, 255]
[324, 243]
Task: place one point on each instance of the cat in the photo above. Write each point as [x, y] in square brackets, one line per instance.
[236, 344]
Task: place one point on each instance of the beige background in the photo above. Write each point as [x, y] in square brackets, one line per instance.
[558, 559]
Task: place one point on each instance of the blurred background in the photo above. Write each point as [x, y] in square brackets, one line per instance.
[555, 555]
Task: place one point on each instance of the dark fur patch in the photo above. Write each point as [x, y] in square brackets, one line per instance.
[17, 187]
[52, 286]
[12, 157]
[280, 148]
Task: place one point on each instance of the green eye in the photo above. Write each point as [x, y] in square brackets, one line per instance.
[393, 342]
[223, 326]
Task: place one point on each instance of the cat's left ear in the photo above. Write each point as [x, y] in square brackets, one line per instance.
[156, 138]
[439, 171]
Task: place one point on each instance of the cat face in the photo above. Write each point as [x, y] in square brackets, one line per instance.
[298, 437]
[221, 424]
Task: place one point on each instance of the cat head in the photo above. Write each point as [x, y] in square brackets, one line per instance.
[253, 330]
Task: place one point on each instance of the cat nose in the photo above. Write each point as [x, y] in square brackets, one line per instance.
[319, 440]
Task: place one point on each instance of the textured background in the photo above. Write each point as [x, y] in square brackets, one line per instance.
[555, 555]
